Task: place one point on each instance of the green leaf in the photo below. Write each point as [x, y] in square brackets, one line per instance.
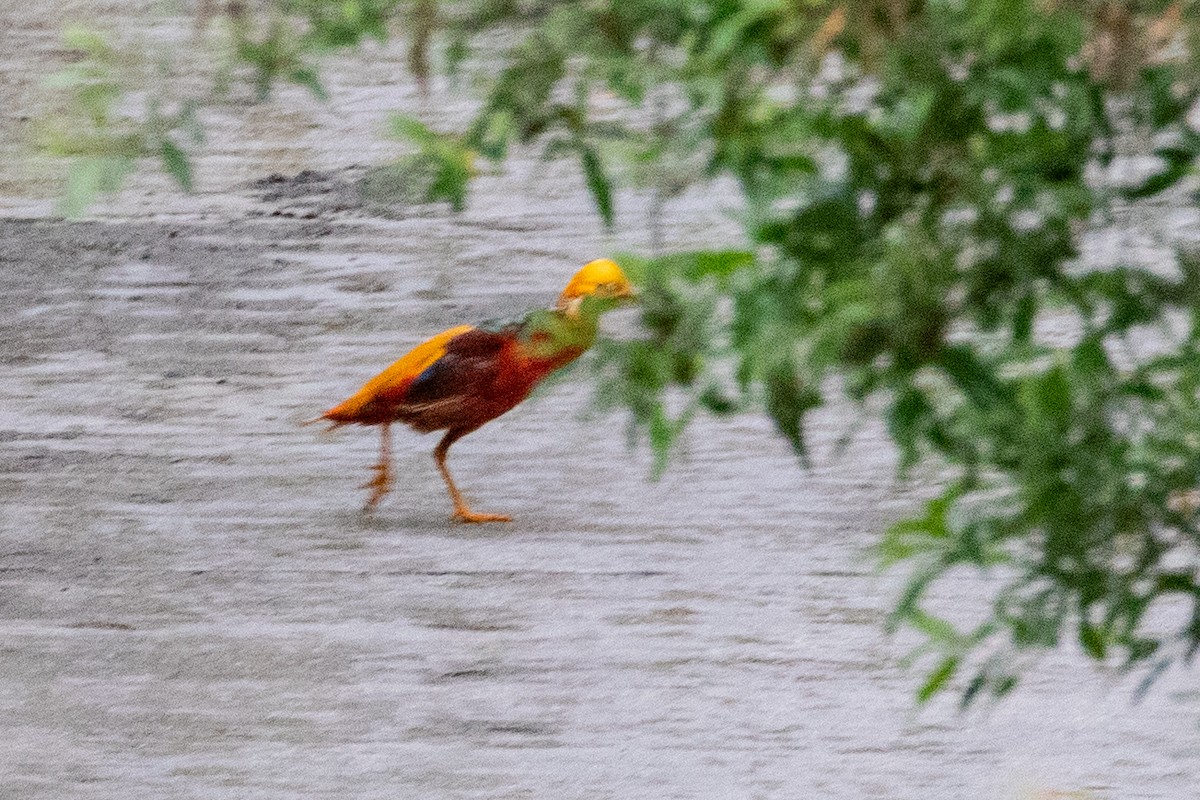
[88, 178]
[664, 432]
[1178, 161]
[1185, 582]
[308, 78]
[177, 164]
[973, 689]
[972, 376]
[189, 122]
[92, 42]
[1155, 672]
[720, 264]
[908, 115]
[937, 629]
[1173, 173]
[660, 431]
[455, 169]
[598, 183]
[1053, 397]
[1004, 685]
[930, 532]
[1162, 105]
[909, 415]
[696, 265]
[788, 399]
[1093, 640]
[938, 678]
[1089, 357]
[715, 400]
[729, 34]
[411, 129]
[1026, 313]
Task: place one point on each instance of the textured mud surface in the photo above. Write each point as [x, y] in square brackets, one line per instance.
[192, 605]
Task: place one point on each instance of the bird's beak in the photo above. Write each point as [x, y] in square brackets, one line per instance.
[628, 295]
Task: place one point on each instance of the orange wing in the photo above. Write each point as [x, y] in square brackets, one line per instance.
[371, 403]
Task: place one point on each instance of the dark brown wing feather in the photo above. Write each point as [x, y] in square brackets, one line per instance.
[459, 390]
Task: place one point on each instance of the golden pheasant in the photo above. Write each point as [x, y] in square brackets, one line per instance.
[469, 375]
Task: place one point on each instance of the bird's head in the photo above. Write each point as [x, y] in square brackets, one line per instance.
[600, 280]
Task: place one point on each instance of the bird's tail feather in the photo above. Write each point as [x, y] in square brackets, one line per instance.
[333, 424]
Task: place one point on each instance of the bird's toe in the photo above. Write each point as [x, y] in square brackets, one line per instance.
[472, 517]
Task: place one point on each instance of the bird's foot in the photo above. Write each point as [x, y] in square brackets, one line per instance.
[466, 515]
[379, 486]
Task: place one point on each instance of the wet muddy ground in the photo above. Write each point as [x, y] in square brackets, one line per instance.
[192, 604]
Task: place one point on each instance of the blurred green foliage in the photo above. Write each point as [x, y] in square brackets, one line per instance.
[124, 100]
[104, 144]
[917, 176]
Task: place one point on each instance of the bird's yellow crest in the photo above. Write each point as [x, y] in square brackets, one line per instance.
[601, 278]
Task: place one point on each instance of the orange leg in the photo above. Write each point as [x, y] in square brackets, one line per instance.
[382, 482]
[461, 512]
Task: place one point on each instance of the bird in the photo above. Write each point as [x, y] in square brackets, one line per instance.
[468, 375]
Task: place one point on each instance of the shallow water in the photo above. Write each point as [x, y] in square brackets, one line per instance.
[192, 605]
